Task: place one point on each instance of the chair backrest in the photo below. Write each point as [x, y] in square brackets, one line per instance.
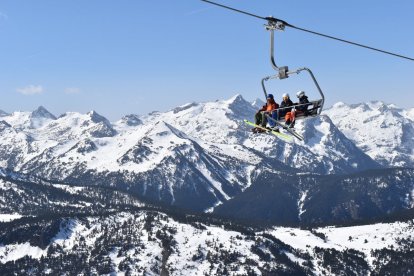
[316, 105]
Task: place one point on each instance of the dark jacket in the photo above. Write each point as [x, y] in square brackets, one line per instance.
[284, 104]
[303, 100]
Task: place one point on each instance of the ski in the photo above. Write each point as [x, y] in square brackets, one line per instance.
[282, 136]
[290, 130]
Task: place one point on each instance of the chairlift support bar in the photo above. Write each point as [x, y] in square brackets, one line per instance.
[272, 25]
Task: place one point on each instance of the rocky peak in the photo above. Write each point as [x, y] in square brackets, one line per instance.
[101, 127]
[4, 125]
[97, 118]
[237, 99]
[131, 120]
[42, 112]
[239, 106]
[258, 103]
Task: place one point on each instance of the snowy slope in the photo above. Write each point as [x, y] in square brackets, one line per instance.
[201, 151]
[157, 243]
[384, 132]
[154, 243]
[258, 103]
[9, 217]
[199, 156]
[213, 125]
[324, 150]
[14, 146]
[22, 195]
[25, 120]
[89, 230]
[366, 239]
[409, 114]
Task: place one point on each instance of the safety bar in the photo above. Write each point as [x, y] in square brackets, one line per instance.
[295, 106]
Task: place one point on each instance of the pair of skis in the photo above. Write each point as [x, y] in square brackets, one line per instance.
[283, 136]
[285, 127]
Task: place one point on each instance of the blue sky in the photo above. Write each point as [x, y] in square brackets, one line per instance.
[135, 56]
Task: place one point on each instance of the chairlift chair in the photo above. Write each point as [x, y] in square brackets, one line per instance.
[315, 107]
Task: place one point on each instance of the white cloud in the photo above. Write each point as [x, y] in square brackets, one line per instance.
[72, 90]
[30, 90]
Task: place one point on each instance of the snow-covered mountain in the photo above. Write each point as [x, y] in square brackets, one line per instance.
[77, 194]
[153, 243]
[307, 199]
[29, 196]
[197, 155]
[258, 103]
[325, 149]
[383, 131]
[26, 120]
[47, 228]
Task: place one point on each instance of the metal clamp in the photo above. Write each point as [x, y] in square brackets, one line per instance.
[283, 72]
[274, 24]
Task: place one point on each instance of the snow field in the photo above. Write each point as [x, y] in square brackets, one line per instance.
[363, 238]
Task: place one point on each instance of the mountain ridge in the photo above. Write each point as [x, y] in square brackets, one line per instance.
[199, 153]
[383, 131]
[118, 241]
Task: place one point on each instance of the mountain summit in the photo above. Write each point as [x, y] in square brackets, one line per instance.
[198, 151]
[81, 186]
[42, 112]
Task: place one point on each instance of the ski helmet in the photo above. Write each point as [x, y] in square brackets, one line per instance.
[285, 95]
[300, 94]
[270, 96]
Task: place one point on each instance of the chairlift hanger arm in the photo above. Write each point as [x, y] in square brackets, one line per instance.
[279, 22]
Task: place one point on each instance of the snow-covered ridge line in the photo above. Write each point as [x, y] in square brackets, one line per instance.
[196, 147]
[383, 131]
[364, 238]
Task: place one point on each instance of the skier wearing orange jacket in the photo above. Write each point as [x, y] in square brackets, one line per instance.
[268, 109]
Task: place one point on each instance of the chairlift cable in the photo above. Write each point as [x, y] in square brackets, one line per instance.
[275, 20]
[236, 10]
[352, 43]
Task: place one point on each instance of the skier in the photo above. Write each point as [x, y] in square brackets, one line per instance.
[285, 106]
[268, 109]
[301, 108]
